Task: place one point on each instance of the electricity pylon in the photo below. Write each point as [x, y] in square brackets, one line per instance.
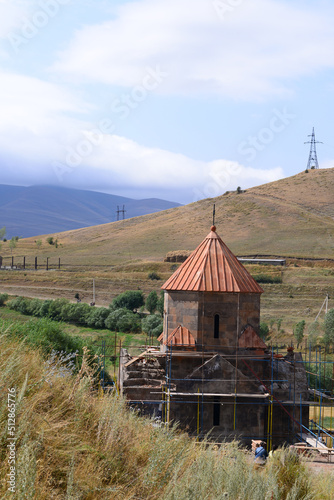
[312, 159]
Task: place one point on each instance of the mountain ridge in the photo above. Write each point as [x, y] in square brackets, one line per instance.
[34, 210]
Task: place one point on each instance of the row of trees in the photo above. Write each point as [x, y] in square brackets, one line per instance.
[124, 314]
[315, 330]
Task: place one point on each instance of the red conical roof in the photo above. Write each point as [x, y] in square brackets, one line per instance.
[212, 267]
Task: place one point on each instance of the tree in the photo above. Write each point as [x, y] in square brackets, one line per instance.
[97, 317]
[152, 325]
[112, 319]
[123, 320]
[264, 331]
[129, 322]
[38, 243]
[313, 332]
[151, 302]
[131, 300]
[12, 244]
[298, 332]
[329, 328]
[2, 233]
[279, 324]
[160, 303]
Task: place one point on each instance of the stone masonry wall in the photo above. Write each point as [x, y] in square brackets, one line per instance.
[196, 311]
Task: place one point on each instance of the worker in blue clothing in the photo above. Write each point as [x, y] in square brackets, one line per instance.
[261, 452]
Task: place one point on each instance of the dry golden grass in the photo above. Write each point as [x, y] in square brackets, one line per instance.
[75, 444]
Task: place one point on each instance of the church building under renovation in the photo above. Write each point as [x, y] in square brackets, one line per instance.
[213, 373]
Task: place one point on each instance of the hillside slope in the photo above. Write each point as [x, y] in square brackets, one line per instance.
[289, 217]
[29, 211]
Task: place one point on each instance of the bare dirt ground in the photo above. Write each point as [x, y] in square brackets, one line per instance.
[321, 465]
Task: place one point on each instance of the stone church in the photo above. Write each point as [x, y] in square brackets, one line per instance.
[213, 373]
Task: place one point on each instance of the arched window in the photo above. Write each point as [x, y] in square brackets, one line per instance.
[216, 327]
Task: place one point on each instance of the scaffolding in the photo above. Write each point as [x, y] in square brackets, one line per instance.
[308, 416]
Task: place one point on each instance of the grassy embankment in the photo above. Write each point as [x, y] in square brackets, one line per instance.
[73, 443]
[86, 336]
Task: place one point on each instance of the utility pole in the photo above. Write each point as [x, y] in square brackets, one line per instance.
[120, 211]
[312, 159]
[324, 305]
[93, 302]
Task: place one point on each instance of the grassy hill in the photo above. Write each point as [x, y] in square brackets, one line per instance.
[289, 217]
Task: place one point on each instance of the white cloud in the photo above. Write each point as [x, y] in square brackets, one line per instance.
[122, 164]
[11, 14]
[35, 121]
[252, 53]
[37, 130]
[11, 17]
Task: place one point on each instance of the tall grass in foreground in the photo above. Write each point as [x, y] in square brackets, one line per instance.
[74, 444]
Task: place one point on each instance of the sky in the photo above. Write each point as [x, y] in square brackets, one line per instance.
[174, 99]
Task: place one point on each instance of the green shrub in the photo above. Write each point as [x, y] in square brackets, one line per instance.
[19, 304]
[123, 320]
[151, 302]
[97, 317]
[329, 328]
[76, 313]
[55, 309]
[44, 309]
[298, 331]
[160, 303]
[113, 317]
[34, 307]
[129, 322]
[154, 276]
[266, 278]
[264, 331]
[3, 298]
[131, 300]
[48, 335]
[152, 325]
